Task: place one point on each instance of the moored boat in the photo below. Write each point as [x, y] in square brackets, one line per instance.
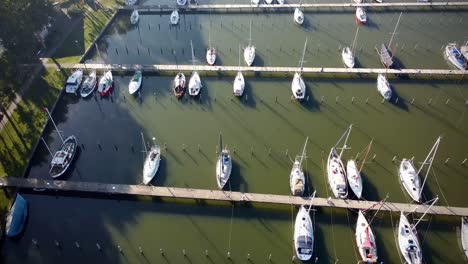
[223, 165]
[298, 16]
[464, 51]
[408, 241]
[249, 51]
[130, 2]
[74, 81]
[336, 175]
[455, 57]
[361, 15]
[151, 166]
[89, 84]
[16, 217]
[181, 2]
[63, 158]
[174, 19]
[134, 17]
[211, 56]
[255, 2]
[195, 84]
[239, 84]
[105, 83]
[354, 178]
[298, 86]
[410, 179]
[280, 2]
[348, 57]
[365, 240]
[303, 235]
[269, 2]
[296, 177]
[135, 82]
[179, 85]
[383, 87]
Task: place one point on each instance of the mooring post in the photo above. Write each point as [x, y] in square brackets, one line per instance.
[446, 161]
[161, 251]
[206, 252]
[229, 255]
[98, 246]
[412, 100]
[140, 249]
[77, 245]
[394, 158]
[447, 102]
[463, 162]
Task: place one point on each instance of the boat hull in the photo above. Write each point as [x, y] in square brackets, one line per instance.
[464, 235]
[179, 85]
[105, 84]
[383, 87]
[347, 57]
[135, 83]
[455, 57]
[410, 180]
[298, 17]
[303, 235]
[386, 57]
[72, 143]
[16, 218]
[74, 81]
[298, 87]
[89, 85]
[354, 178]
[361, 15]
[211, 56]
[195, 84]
[151, 166]
[408, 242]
[365, 240]
[238, 85]
[336, 175]
[249, 55]
[174, 19]
[297, 180]
[223, 169]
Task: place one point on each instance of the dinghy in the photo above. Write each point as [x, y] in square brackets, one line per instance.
[336, 175]
[361, 15]
[296, 177]
[249, 51]
[135, 17]
[105, 83]
[304, 234]
[365, 240]
[74, 81]
[223, 165]
[135, 82]
[89, 84]
[239, 82]
[408, 241]
[455, 57]
[298, 85]
[464, 235]
[195, 84]
[174, 17]
[298, 16]
[179, 85]
[16, 217]
[151, 166]
[354, 178]
[347, 57]
[63, 157]
[383, 87]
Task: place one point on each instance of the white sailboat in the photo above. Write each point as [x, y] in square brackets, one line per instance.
[408, 241]
[134, 17]
[249, 51]
[304, 233]
[74, 81]
[105, 83]
[239, 82]
[299, 15]
[354, 175]
[255, 2]
[151, 165]
[383, 87]
[210, 52]
[365, 240]
[89, 84]
[386, 56]
[174, 19]
[464, 235]
[179, 85]
[361, 15]
[455, 56]
[195, 84]
[298, 85]
[223, 165]
[410, 178]
[347, 54]
[296, 177]
[336, 171]
[135, 83]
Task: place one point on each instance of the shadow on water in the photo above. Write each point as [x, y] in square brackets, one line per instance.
[237, 183]
[398, 101]
[369, 191]
[248, 98]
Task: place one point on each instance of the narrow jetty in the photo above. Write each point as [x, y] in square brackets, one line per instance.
[279, 70]
[216, 195]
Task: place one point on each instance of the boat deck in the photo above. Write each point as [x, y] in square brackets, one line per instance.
[217, 195]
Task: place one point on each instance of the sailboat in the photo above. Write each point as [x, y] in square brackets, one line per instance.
[88, 85]
[455, 56]
[410, 178]
[383, 87]
[151, 165]
[195, 84]
[464, 234]
[210, 52]
[365, 240]
[336, 171]
[74, 81]
[361, 15]
[298, 85]
[408, 241]
[354, 175]
[304, 233]
[280, 2]
[298, 15]
[105, 83]
[386, 56]
[347, 54]
[63, 157]
[296, 177]
[223, 165]
[135, 17]
[179, 85]
[269, 2]
[135, 82]
[16, 217]
[239, 82]
[249, 51]
[174, 19]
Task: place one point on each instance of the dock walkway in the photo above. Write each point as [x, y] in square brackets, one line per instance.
[217, 195]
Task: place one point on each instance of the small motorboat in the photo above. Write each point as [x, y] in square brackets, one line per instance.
[195, 84]
[383, 86]
[63, 157]
[151, 166]
[238, 85]
[408, 241]
[298, 86]
[298, 16]
[348, 57]
[89, 84]
[105, 83]
[223, 165]
[135, 17]
[464, 234]
[337, 175]
[386, 57]
[16, 217]
[303, 235]
[354, 178]
[74, 81]
[361, 15]
[135, 82]
[181, 2]
[130, 2]
[179, 85]
[211, 56]
[365, 240]
[410, 179]
[174, 17]
[455, 56]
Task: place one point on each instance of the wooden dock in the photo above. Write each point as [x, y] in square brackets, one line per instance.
[290, 7]
[216, 195]
[271, 70]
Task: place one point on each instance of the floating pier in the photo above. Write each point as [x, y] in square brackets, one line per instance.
[217, 195]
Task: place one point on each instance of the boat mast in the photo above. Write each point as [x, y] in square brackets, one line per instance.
[304, 151]
[47, 147]
[364, 160]
[311, 201]
[430, 159]
[425, 212]
[193, 55]
[346, 134]
[144, 143]
[53, 122]
[301, 62]
[239, 56]
[393, 34]
[250, 34]
[355, 40]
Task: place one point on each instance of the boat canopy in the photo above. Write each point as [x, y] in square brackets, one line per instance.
[304, 244]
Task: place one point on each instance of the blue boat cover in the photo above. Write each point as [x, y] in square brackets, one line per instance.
[17, 217]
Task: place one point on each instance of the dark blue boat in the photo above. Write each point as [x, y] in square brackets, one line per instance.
[16, 217]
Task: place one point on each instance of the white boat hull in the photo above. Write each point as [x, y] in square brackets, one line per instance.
[303, 235]
[410, 179]
[298, 16]
[181, 2]
[297, 180]
[179, 85]
[455, 57]
[74, 81]
[195, 84]
[249, 55]
[365, 240]
[408, 242]
[336, 175]
[174, 19]
[239, 85]
[105, 83]
[134, 85]
[354, 178]
[361, 15]
[383, 87]
[223, 168]
[211, 56]
[151, 166]
[348, 57]
[135, 17]
[298, 87]
[89, 85]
